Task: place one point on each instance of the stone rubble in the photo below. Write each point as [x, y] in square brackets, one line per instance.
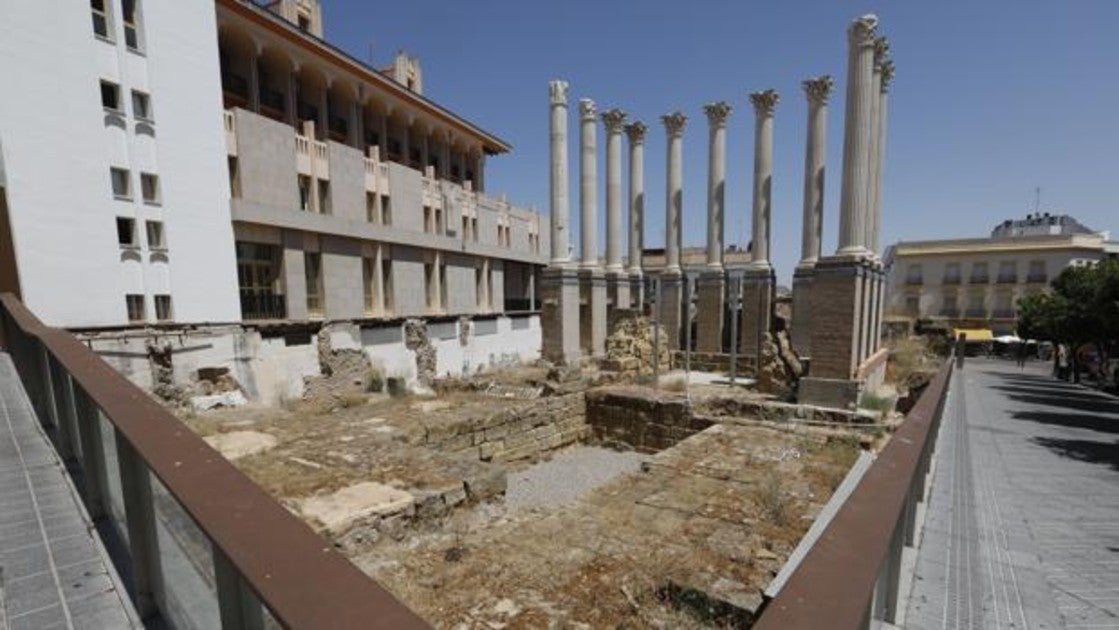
[629, 348]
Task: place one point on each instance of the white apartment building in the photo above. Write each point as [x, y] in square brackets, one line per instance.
[191, 162]
[977, 282]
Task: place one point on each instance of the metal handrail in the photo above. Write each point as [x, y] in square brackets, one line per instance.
[852, 574]
[263, 553]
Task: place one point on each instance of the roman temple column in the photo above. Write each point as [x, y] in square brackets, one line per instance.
[617, 281]
[635, 132]
[559, 283]
[759, 281]
[857, 136]
[670, 300]
[592, 281]
[817, 90]
[711, 288]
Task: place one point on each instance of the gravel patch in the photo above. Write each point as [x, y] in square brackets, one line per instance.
[567, 476]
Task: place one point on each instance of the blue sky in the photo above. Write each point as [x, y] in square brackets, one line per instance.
[991, 99]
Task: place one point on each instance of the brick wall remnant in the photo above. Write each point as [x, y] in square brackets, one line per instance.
[417, 340]
[644, 419]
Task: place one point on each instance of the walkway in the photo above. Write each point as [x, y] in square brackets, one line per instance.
[54, 573]
[1023, 523]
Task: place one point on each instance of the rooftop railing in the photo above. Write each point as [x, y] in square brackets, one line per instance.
[205, 547]
[852, 575]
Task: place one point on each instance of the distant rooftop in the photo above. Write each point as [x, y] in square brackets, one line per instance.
[1040, 224]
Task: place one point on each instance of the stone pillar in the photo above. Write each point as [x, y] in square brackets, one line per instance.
[636, 134]
[617, 281]
[886, 75]
[561, 244]
[817, 90]
[758, 281]
[711, 286]
[672, 278]
[559, 283]
[853, 204]
[588, 177]
[881, 49]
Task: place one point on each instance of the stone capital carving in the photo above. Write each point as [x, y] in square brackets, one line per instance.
[863, 30]
[887, 74]
[636, 132]
[765, 102]
[613, 119]
[881, 50]
[674, 123]
[557, 91]
[717, 113]
[586, 109]
[818, 89]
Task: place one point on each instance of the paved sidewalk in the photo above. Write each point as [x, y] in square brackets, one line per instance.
[53, 570]
[1022, 529]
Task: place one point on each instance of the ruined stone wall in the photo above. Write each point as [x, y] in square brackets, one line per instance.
[646, 420]
[718, 362]
[515, 433]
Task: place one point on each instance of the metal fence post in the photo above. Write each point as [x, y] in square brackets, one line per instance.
[60, 385]
[93, 457]
[239, 606]
[735, 298]
[657, 335]
[139, 515]
[46, 391]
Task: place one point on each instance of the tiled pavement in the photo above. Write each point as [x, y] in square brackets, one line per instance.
[1022, 528]
[53, 570]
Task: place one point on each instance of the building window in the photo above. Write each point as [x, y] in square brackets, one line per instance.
[163, 308]
[386, 210]
[234, 177]
[952, 273]
[141, 106]
[442, 286]
[126, 232]
[474, 229]
[479, 288]
[1008, 271]
[1037, 271]
[260, 281]
[913, 274]
[110, 96]
[429, 285]
[949, 308]
[438, 221]
[324, 196]
[371, 213]
[134, 302]
[100, 18]
[979, 273]
[368, 281]
[304, 22]
[465, 228]
[149, 187]
[304, 193]
[131, 28]
[427, 219]
[912, 306]
[312, 271]
[386, 282]
[155, 235]
[121, 187]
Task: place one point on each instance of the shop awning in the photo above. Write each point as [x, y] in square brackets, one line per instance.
[973, 334]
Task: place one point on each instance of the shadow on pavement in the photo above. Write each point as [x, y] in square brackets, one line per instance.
[1083, 450]
[1092, 422]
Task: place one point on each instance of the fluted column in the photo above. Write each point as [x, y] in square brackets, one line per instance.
[588, 175]
[674, 194]
[561, 245]
[764, 104]
[636, 134]
[887, 75]
[853, 204]
[717, 114]
[881, 50]
[614, 120]
[817, 90]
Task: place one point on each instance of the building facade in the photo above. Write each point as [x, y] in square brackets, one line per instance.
[977, 282]
[197, 162]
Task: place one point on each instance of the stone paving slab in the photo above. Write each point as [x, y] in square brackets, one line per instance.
[1022, 528]
[54, 573]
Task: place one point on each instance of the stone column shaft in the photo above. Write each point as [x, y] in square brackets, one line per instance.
[716, 181]
[815, 152]
[588, 176]
[674, 194]
[857, 136]
[887, 74]
[636, 134]
[561, 246]
[764, 103]
[614, 120]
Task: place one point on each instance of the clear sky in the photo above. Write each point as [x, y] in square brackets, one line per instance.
[991, 99]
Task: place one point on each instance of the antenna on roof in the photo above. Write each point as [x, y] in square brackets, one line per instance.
[1037, 198]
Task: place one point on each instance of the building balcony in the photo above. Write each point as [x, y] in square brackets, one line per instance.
[914, 282]
[1037, 278]
[951, 280]
[949, 312]
[980, 279]
[262, 304]
[1003, 313]
[1008, 280]
[235, 90]
[272, 103]
[979, 313]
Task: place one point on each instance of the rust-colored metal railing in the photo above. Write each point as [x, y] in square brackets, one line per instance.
[850, 577]
[205, 545]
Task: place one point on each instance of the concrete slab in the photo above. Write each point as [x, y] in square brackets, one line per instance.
[340, 510]
[237, 444]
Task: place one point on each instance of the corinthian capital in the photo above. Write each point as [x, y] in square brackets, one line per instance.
[613, 119]
[818, 89]
[636, 132]
[887, 74]
[862, 30]
[557, 91]
[717, 113]
[765, 102]
[674, 123]
[586, 109]
[881, 50]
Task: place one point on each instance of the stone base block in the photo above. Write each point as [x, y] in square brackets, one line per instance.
[800, 332]
[669, 308]
[835, 393]
[757, 308]
[592, 312]
[559, 315]
[837, 328]
[637, 291]
[617, 292]
[710, 311]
